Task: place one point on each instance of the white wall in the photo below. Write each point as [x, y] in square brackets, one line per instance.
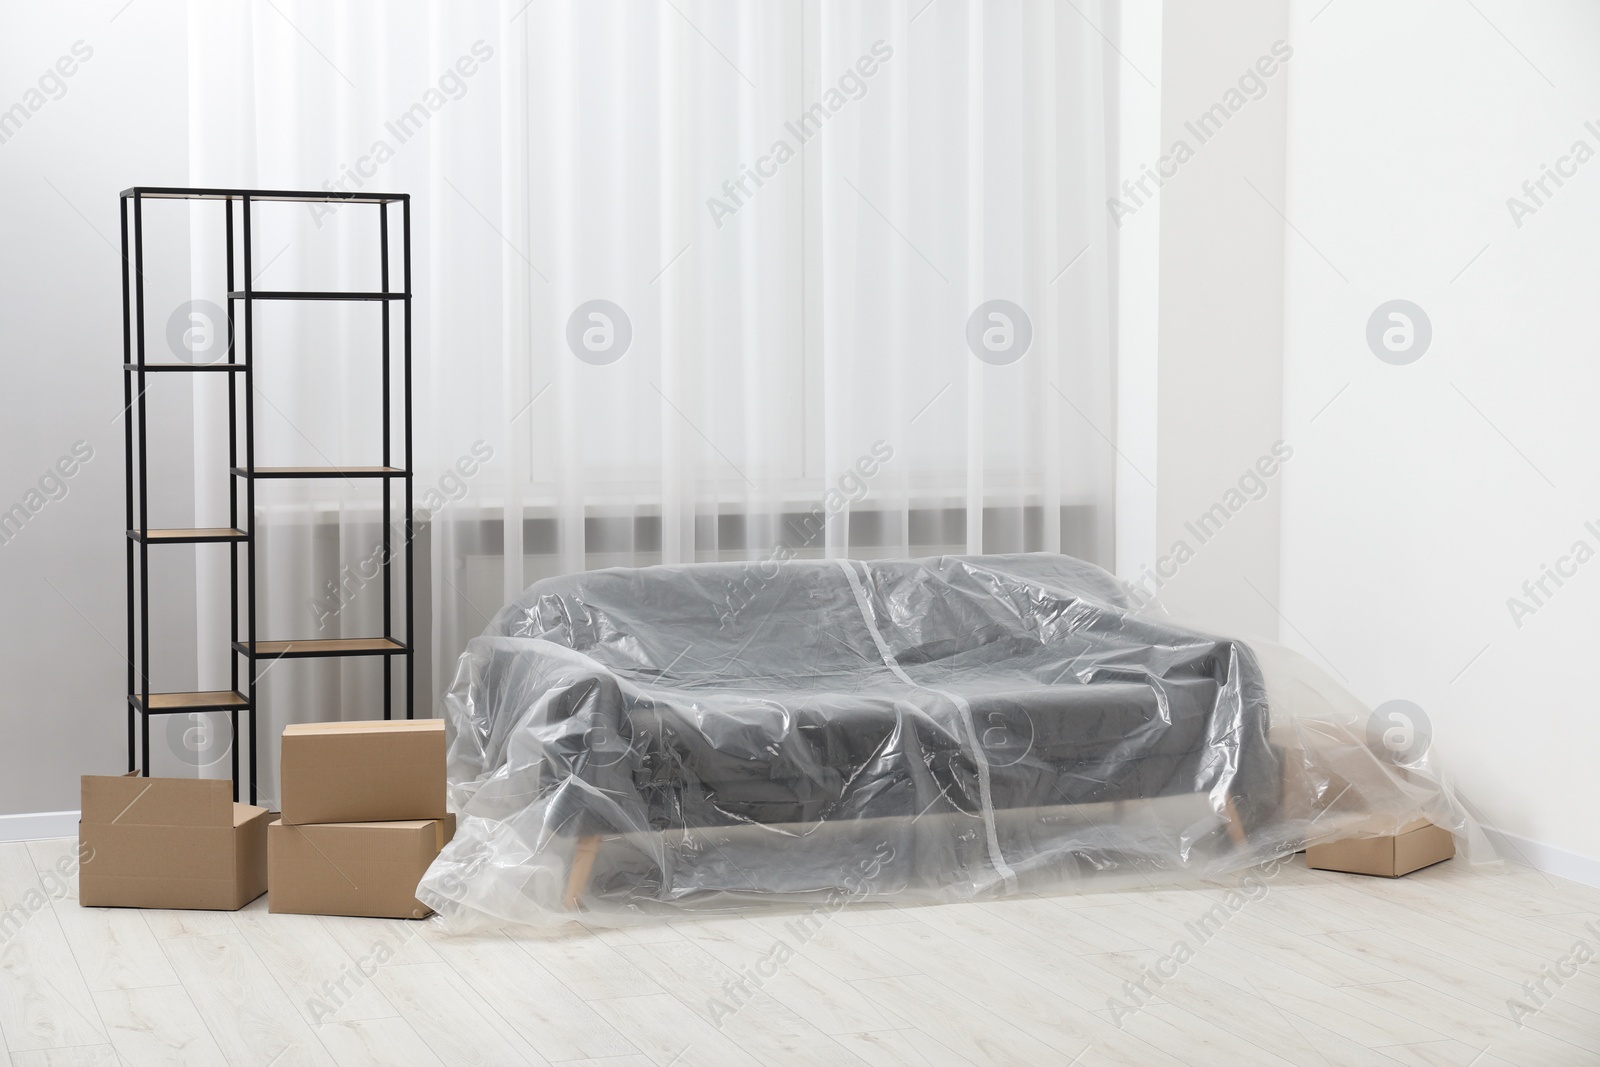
[1422, 496]
[119, 119]
[1134, 69]
[1216, 183]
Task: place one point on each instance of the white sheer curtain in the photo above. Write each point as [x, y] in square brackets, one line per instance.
[697, 280]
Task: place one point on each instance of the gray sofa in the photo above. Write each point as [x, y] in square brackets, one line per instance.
[960, 724]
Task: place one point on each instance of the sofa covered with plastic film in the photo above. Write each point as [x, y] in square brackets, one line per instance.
[713, 737]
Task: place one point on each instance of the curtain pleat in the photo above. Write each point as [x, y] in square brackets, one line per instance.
[793, 213]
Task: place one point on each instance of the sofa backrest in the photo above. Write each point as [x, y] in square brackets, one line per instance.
[804, 617]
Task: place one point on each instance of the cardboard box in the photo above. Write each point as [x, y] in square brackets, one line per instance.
[1418, 844]
[369, 868]
[169, 843]
[384, 771]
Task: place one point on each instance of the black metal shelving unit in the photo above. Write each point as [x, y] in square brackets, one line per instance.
[248, 651]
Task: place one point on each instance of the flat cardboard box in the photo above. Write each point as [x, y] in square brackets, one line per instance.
[369, 869]
[169, 843]
[384, 771]
[1417, 845]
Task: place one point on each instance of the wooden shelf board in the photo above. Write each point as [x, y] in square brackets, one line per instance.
[163, 192]
[334, 646]
[278, 294]
[195, 536]
[320, 472]
[217, 699]
[154, 367]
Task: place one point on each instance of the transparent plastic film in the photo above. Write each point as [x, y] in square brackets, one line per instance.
[713, 738]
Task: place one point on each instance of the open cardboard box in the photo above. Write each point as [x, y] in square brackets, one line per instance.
[169, 843]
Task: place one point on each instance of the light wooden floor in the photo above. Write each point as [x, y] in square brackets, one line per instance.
[1313, 969]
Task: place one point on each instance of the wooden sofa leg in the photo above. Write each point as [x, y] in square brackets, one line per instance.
[582, 868]
[1235, 824]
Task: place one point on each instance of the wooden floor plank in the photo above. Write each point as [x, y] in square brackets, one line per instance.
[801, 984]
[114, 947]
[377, 1043]
[44, 999]
[166, 925]
[669, 1033]
[900, 1048]
[314, 971]
[252, 1020]
[451, 1019]
[157, 1025]
[735, 1001]
[1317, 968]
[974, 1033]
[557, 1023]
[401, 943]
[77, 1056]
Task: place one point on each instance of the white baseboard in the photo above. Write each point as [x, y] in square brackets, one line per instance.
[38, 825]
[1546, 858]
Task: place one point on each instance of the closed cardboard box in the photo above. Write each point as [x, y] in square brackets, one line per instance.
[383, 771]
[369, 868]
[1417, 845]
[169, 843]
